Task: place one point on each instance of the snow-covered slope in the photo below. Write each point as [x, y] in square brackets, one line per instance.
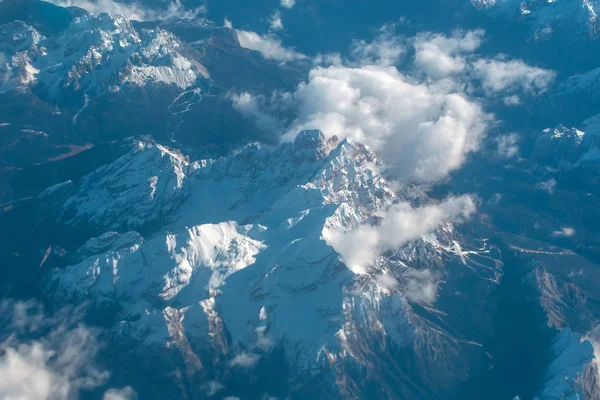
[233, 261]
[19, 50]
[576, 15]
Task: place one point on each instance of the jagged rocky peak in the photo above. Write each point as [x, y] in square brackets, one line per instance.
[18, 36]
[313, 145]
[93, 54]
[120, 28]
[158, 59]
[19, 49]
[560, 146]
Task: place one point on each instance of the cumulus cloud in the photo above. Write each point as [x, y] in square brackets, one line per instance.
[424, 123]
[441, 56]
[244, 360]
[44, 357]
[422, 131]
[507, 145]
[269, 46]
[385, 49]
[399, 224]
[134, 10]
[275, 21]
[288, 3]
[512, 75]
[564, 232]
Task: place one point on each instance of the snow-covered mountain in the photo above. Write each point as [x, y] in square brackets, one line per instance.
[232, 262]
[566, 148]
[19, 50]
[96, 54]
[221, 268]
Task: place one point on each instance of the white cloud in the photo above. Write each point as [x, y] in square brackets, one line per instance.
[213, 387]
[386, 49]
[421, 286]
[564, 232]
[507, 145]
[288, 3]
[423, 125]
[512, 101]
[547, 186]
[499, 75]
[56, 365]
[244, 360]
[275, 22]
[422, 131]
[227, 23]
[127, 393]
[134, 10]
[254, 108]
[399, 224]
[441, 56]
[269, 46]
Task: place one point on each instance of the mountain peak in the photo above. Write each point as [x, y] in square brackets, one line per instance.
[313, 145]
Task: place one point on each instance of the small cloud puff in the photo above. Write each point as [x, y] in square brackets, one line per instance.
[275, 21]
[288, 3]
[564, 232]
[507, 145]
[126, 393]
[547, 186]
[244, 360]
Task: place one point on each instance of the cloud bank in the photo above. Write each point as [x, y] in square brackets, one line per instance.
[423, 123]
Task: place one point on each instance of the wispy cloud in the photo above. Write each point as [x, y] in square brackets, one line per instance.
[400, 224]
[48, 357]
[507, 145]
[269, 46]
[275, 21]
[244, 360]
[547, 186]
[564, 232]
